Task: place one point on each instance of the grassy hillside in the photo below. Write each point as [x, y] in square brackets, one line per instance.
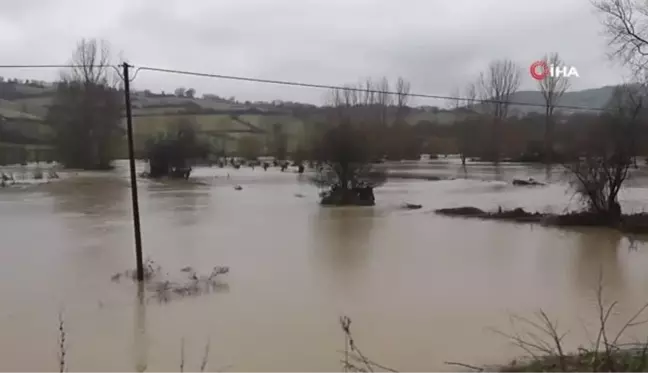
[226, 121]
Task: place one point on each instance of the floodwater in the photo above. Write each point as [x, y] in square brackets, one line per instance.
[421, 289]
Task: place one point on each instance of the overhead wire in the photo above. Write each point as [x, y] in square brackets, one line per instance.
[314, 85]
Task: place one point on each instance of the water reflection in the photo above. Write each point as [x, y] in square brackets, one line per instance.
[184, 199]
[95, 198]
[463, 172]
[598, 250]
[95, 211]
[342, 239]
[141, 337]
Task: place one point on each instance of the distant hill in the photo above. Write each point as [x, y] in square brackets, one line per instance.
[589, 98]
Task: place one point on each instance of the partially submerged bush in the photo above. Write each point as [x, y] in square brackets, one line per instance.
[173, 155]
[189, 285]
[345, 167]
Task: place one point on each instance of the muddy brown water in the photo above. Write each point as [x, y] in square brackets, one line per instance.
[420, 289]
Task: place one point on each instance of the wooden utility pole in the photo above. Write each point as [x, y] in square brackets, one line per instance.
[133, 176]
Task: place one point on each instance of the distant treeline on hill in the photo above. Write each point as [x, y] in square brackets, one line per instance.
[230, 124]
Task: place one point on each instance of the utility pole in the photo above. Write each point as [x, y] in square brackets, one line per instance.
[133, 176]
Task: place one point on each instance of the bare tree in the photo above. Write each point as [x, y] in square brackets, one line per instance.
[496, 86]
[625, 25]
[602, 161]
[384, 100]
[86, 108]
[599, 172]
[455, 102]
[552, 89]
[628, 107]
[368, 92]
[91, 62]
[344, 156]
[402, 100]
[371, 103]
[400, 134]
[344, 102]
[471, 96]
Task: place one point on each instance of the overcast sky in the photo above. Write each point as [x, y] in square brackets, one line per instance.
[438, 45]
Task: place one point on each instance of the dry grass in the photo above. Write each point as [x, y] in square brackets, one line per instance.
[543, 343]
[354, 360]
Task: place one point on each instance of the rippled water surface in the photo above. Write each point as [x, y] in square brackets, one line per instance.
[421, 289]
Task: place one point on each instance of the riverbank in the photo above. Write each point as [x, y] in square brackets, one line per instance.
[629, 223]
[633, 359]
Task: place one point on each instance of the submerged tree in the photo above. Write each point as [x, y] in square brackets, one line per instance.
[172, 155]
[382, 107]
[496, 87]
[552, 89]
[344, 155]
[604, 157]
[86, 109]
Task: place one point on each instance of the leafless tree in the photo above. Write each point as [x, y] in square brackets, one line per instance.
[384, 100]
[368, 92]
[344, 102]
[625, 23]
[552, 89]
[628, 107]
[343, 152]
[496, 86]
[455, 102]
[471, 96]
[602, 160]
[598, 175]
[371, 103]
[91, 62]
[86, 109]
[402, 100]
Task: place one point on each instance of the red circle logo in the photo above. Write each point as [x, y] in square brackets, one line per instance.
[539, 70]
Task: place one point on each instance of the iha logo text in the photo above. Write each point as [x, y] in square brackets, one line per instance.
[540, 70]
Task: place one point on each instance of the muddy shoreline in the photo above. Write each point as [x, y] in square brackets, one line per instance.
[629, 223]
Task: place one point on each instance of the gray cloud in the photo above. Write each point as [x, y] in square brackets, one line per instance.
[437, 45]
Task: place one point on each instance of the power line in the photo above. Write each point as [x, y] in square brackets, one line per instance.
[68, 66]
[313, 85]
[353, 89]
[51, 66]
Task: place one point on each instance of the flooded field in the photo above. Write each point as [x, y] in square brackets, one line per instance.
[420, 289]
